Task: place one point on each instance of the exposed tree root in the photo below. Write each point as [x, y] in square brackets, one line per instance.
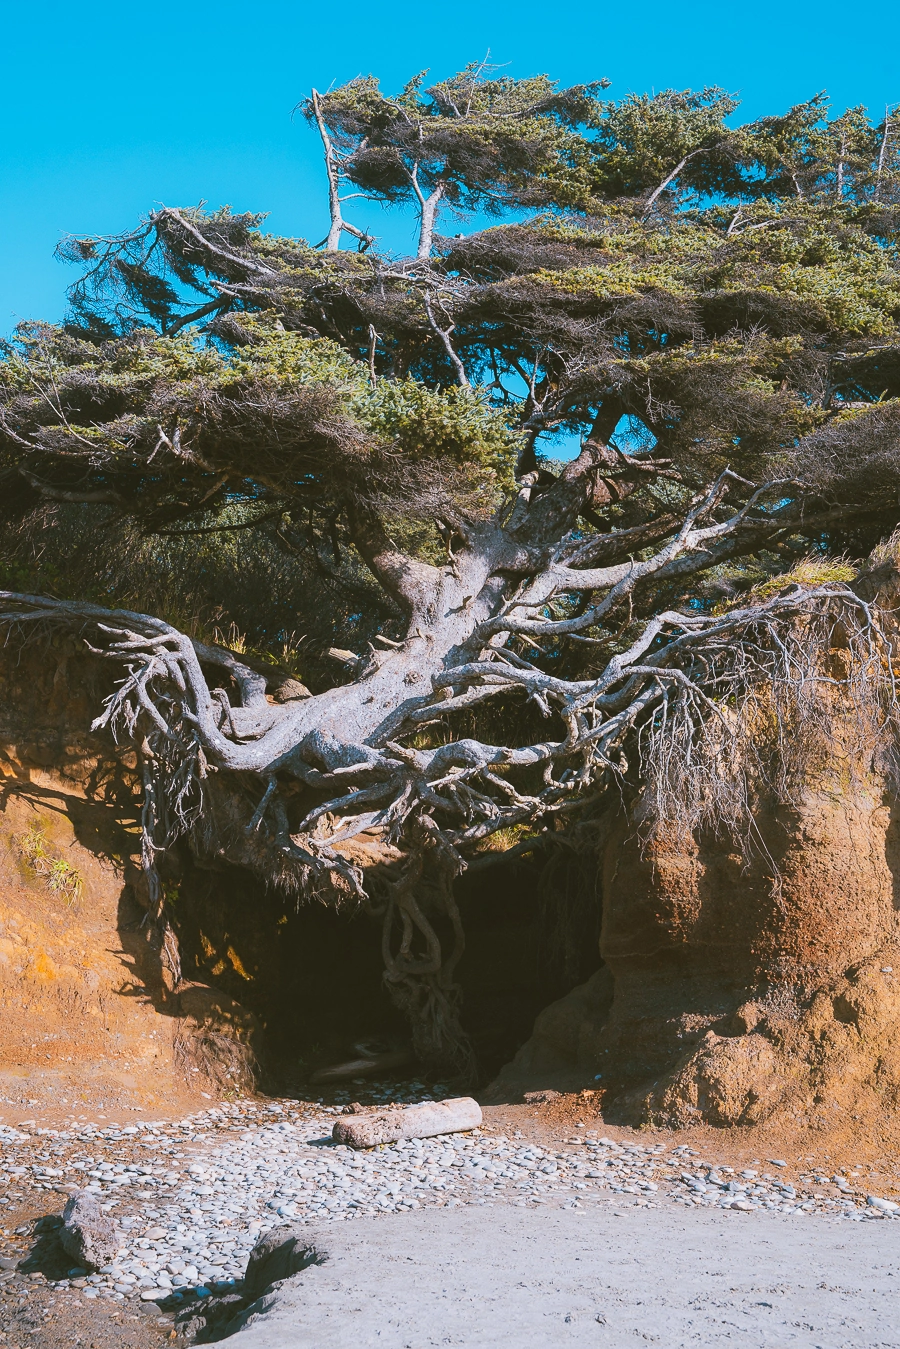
[712, 703]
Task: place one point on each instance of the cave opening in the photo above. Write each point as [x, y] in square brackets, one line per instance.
[312, 975]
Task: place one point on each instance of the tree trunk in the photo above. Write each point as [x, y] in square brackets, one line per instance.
[336, 228]
[428, 216]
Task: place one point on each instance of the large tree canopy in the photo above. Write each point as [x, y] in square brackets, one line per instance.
[711, 308]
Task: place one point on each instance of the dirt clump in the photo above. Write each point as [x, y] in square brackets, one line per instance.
[731, 996]
[750, 977]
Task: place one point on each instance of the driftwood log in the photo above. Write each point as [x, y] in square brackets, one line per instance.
[412, 1121]
[368, 1064]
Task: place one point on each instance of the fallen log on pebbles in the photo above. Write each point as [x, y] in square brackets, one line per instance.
[412, 1121]
[368, 1065]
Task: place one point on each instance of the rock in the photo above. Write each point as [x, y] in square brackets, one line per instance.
[87, 1234]
[883, 1205]
[415, 1121]
[290, 690]
[280, 1253]
[731, 1080]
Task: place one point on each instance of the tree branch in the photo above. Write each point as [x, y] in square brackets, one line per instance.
[236, 259]
[444, 335]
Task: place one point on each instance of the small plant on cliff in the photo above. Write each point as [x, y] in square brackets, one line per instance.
[42, 858]
[65, 880]
[498, 637]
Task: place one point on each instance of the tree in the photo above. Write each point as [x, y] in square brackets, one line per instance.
[535, 634]
[475, 141]
[675, 139]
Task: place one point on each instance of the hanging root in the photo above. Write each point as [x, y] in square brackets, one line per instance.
[725, 709]
[418, 976]
[221, 1059]
[766, 707]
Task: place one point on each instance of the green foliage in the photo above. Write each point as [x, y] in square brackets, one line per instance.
[820, 256]
[641, 139]
[230, 412]
[310, 412]
[445, 425]
[479, 140]
[60, 877]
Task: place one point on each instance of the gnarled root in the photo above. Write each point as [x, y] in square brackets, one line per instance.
[418, 976]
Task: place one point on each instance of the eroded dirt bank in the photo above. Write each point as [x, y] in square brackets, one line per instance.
[736, 987]
[741, 986]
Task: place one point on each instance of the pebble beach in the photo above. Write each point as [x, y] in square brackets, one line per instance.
[192, 1196]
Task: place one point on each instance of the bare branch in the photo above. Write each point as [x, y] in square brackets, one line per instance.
[444, 334]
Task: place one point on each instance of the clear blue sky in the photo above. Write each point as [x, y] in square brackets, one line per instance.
[110, 108]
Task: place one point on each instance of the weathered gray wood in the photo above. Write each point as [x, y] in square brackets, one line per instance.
[412, 1121]
[367, 1065]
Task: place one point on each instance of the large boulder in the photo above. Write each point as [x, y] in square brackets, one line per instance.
[88, 1235]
